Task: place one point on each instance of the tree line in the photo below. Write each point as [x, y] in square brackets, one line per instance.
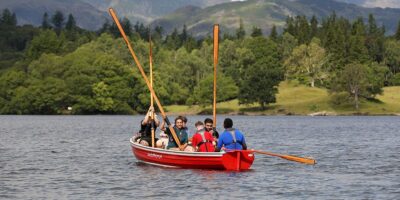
[46, 69]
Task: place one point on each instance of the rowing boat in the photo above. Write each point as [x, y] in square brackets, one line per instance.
[236, 160]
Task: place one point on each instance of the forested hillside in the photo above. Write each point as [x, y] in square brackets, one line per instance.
[45, 70]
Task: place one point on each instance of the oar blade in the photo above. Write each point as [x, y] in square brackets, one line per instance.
[307, 161]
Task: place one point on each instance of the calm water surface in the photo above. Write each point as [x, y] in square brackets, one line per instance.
[89, 157]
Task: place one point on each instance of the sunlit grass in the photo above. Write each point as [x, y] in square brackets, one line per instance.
[294, 98]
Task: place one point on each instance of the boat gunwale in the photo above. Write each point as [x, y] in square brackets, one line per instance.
[176, 153]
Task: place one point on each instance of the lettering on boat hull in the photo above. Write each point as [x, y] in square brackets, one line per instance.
[154, 155]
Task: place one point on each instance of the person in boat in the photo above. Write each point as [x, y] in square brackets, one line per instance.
[208, 123]
[180, 133]
[202, 140]
[146, 126]
[231, 138]
[185, 120]
[162, 142]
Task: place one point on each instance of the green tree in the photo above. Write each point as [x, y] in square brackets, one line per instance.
[58, 20]
[102, 97]
[45, 21]
[46, 42]
[357, 51]
[203, 92]
[47, 96]
[303, 33]
[307, 62]
[354, 81]
[397, 34]
[256, 32]
[8, 18]
[360, 81]
[274, 34]
[261, 78]
[240, 32]
[392, 55]
[9, 82]
[313, 27]
[71, 24]
[375, 40]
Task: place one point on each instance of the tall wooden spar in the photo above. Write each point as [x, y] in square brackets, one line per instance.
[151, 96]
[121, 30]
[216, 34]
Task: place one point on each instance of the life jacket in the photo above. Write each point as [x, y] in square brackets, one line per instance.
[204, 140]
[232, 131]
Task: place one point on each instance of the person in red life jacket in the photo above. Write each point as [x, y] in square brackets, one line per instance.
[208, 123]
[202, 140]
[231, 138]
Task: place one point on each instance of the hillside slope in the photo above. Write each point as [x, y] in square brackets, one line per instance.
[266, 13]
[295, 99]
[31, 11]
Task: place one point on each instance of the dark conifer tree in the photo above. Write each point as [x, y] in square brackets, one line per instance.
[8, 18]
[256, 32]
[274, 34]
[397, 34]
[313, 27]
[58, 20]
[126, 25]
[240, 32]
[45, 21]
[71, 24]
[290, 27]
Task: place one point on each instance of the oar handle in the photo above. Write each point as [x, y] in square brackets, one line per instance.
[121, 30]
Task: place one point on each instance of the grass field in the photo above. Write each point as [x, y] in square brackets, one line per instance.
[296, 99]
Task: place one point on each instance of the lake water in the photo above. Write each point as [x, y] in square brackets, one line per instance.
[89, 157]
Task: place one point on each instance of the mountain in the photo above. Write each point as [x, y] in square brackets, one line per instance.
[148, 10]
[266, 13]
[31, 11]
[199, 15]
[375, 3]
[91, 14]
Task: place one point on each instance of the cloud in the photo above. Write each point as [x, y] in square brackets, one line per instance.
[382, 3]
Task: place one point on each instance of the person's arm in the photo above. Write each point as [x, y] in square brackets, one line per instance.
[194, 142]
[162, 127]
[219, 145]
[244, 145]
[215, 133]
[157, 122]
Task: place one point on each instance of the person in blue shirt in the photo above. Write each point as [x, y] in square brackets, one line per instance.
[231, 138]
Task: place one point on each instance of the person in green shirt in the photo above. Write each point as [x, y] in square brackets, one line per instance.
[180, 133]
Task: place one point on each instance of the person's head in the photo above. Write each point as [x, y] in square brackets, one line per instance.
[208, 123]
[179, 122]
[228, 123]
[199, 125]
[184, 119]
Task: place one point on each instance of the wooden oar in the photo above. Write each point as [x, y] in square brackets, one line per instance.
[216, 33]
[121, 30]
[308, 161]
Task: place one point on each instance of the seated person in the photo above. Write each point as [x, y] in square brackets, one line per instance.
[208, 123]
[162, 142]
[180, 133]
[146, 126]
[185, 120]
[231, 138]
[202, 140]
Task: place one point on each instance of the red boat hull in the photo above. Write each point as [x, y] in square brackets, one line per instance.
[232, 160]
